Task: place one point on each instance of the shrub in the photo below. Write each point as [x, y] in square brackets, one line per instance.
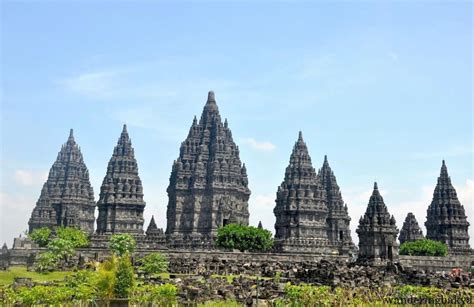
[160, 295]
[124, 277]
[122, 244]
[154, 263]
[105, 278]
[77, 237]
[61, 248]
[424, 247]
[41, 236]
[46, 261]
[243, 238]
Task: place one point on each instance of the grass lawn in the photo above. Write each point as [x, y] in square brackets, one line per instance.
[6, 277]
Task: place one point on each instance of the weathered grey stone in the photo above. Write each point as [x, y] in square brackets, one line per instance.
[377, 232]
[208, 184]
[67, 197]
[338, 220]
[121, 201]
[446, 218]
[301, 210]
[411, 230]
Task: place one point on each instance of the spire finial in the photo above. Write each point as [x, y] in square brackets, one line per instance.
[211, 97]
[325, 159]
[300, 136]
[71, 136]
[124, 128]
[375, 186]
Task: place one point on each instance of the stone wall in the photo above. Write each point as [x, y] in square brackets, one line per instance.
[234, 262]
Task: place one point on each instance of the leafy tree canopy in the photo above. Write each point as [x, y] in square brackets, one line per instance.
[122, 244]
[424, 247]
[244, 238]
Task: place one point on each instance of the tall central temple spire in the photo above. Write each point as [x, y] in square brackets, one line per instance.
[121, 201]
[208, 183]
[300, 209]
[67, 197]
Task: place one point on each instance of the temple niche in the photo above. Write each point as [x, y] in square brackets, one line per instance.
[121, 201]
[301, 209]
[67, 197]
[208, 184]
[377, 232]
[411, 230]
[446, 218]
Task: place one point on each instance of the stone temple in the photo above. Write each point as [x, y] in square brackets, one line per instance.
[208, 189]
[208, 184]
[446, 218]
[121, 201]
[411, 230]
[338, 220]
[67, 197]
[301, 209]
[377, 232]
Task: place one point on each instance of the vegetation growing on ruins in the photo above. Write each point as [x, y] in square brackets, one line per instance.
[424, 247]
[154, 263]
[61, 244]
[122, 244]
[244, 238]
[40, 236]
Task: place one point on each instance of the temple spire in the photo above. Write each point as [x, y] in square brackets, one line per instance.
[67, 197]
[338, 220]
[446, 217]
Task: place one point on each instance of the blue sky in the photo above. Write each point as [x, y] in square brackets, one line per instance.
[384, 89]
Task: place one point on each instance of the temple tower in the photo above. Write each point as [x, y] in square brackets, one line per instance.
[446, 218]
[208, 183]
[377, 232]
[153, 231]
[121, 201]
[338, 220]
[300, 209]
[411, 230]
[67, 197]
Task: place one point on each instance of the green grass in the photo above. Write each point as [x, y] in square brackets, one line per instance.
[6, 277]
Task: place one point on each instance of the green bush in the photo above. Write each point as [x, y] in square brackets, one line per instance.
[41, 236]
[61, 248]
[244, 238]
[124, 277]
[159, 295]
[77, 237]
[424, 247]
[46, 261]
[154, 263]
[105, 278]
[122, 244]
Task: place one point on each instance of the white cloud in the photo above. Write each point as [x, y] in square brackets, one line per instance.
[94, 84]
[261, 209]
[29, 178]
[15, 222]
[262, 146]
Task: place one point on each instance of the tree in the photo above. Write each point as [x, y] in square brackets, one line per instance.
[124, 277]
[122, 244]
[41, 236]
[61, 248]
[424, 247]
[77, 237]
[243, 238]
[154, 263]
